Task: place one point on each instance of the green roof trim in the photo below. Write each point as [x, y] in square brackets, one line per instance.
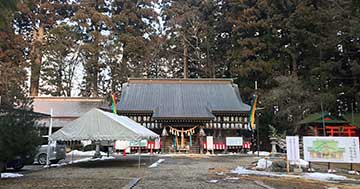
[356, 121]
[316, 118]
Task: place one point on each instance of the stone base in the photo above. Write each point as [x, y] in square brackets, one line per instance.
[298, 170]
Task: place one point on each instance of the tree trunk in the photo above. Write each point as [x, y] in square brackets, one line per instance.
[95, 76]
[185, 57]
[36, 56]
[293, 66]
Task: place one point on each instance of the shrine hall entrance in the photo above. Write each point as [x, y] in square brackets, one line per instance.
[181, 138]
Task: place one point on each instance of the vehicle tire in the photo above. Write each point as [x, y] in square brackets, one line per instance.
[42, 159]
[2, 166]
[19, 165]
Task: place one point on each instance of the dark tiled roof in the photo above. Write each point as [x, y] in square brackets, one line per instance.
[181, 98]
[66, 106]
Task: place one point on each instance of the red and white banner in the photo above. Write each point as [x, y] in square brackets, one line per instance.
[247, 145]
[216, 146]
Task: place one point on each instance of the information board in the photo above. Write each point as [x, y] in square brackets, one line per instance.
[143, 143]
[332, 149]
[292, 148]
[210, 142]
[234, 141]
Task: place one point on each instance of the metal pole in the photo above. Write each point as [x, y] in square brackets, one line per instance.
[139, 153]
[257, 134]
[49, 139]
[257, 126]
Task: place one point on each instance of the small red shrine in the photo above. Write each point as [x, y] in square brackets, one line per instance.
[313, 125]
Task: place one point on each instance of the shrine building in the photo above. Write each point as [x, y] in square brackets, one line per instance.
[185, 111]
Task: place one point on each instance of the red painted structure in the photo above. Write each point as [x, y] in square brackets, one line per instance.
[313, 125]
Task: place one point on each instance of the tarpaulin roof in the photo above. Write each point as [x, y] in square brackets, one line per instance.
[100, 125]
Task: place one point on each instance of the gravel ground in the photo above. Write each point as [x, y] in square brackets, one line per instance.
[196, 172]
[192, 171]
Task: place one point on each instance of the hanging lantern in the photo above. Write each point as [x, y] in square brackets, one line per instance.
[202, 132]
[164, 132]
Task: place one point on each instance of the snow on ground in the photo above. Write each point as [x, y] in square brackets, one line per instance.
[86, 153]
[261, 153]
[92, 159]
[263, 164]
[323, 176]
[243, 171]
[313, 176]
[11, 175]
[156, 163]
[300, 162]
[89, 159]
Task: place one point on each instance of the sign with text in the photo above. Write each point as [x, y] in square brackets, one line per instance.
[210, 142]
[332, 149]
[292, 148]
[234, 141]
[143, 143]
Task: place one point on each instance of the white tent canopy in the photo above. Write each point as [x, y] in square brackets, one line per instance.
[98, 125]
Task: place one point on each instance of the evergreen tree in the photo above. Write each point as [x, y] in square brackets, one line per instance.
[61, 62]
[91, 20]
[33, 21]
[17, 134]
[13, 75]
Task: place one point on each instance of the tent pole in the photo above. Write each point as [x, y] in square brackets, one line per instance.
[49, 139]
[139, 152]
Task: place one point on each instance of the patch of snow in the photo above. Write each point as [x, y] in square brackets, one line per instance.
[261, 153]
[323, 176]
[263, 164]
[313, 176]
[232, 178]
[243, 171]
[300, 162]
[55, 165]
[156, 163]
[142, 154]
[213, 181]
[331, 171]
[92, 159]
[11, 175]
[353, 172]
[86, 153]
[89, 159]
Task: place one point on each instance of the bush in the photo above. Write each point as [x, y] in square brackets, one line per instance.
[18, 136]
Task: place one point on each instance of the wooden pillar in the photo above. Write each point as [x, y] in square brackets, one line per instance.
[163, 142]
